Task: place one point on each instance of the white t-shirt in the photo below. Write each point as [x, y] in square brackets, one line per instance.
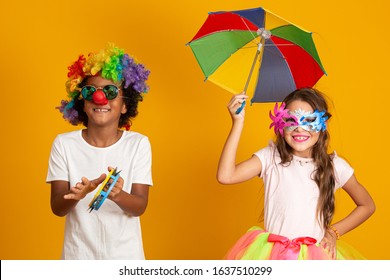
[107, 233]
[291, 195]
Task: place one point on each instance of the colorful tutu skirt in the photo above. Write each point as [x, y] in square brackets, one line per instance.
[258, 244]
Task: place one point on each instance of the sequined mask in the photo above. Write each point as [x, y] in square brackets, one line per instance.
[309, 121]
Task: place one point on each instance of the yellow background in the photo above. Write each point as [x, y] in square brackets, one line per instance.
[190, 216]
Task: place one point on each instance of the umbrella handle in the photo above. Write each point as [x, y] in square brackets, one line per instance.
[241, 107]
[249, 78]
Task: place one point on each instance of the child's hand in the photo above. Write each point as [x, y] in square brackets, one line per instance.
[116, 190]
[329, 243]
[235, 103]
[81, 189]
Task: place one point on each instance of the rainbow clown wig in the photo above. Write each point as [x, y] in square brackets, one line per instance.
[110, 63]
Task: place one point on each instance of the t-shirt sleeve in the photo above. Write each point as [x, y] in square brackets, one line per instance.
[265, 156]
[343, 171]
[143, 163]
[58, 169]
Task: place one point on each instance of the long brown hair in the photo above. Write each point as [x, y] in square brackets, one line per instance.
[324, 172]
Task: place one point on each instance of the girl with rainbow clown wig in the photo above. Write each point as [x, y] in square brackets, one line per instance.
[104, 89]
[300, 179]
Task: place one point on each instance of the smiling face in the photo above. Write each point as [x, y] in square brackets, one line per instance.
[300, 140]
[107, 114]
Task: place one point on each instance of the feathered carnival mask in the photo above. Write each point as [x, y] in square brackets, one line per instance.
[110, 63]
[310, 121]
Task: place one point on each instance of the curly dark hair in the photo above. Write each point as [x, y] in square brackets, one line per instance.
[131, 102]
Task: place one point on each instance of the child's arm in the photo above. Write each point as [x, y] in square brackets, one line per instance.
[63, 198]
[134, 203]
[59, 205]
[228, 171]
[365, 207]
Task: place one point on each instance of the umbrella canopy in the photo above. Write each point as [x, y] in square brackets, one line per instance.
[283, 57]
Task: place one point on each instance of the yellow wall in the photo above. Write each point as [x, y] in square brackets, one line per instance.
[190, 216]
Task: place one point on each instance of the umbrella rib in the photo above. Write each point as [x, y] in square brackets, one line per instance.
[247, 27]
[268, 45]
[278, 45]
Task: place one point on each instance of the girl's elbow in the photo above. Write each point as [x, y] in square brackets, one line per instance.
[224, 180]
[372, 208]
[369, 208]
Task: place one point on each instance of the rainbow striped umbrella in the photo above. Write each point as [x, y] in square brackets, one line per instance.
[233, 46]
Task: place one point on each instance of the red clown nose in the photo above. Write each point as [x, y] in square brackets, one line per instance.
[99, 98]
